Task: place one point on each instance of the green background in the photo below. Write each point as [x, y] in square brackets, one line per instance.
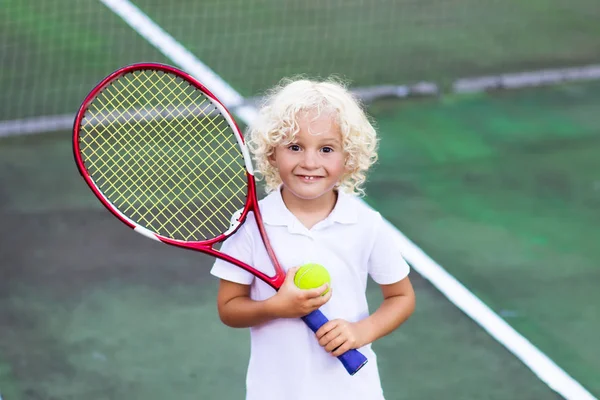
[502, 189]
[56, 50]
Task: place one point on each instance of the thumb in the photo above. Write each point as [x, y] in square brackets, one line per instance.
[291, 273]
[319, 291]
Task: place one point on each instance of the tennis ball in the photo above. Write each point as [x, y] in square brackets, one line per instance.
[311, 276]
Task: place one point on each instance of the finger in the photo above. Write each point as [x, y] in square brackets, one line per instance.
[324, 288]
[316, 292]
[317, 302]
[327, 326]
[327, 295]
[341, 349]
[334, 344]
[329, 336]
[289, 276]
[288, 283]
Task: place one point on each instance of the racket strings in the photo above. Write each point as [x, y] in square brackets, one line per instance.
[163, 154]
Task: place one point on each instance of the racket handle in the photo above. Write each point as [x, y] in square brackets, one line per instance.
[353, 360]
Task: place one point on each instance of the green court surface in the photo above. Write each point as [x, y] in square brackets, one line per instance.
[8, 387]
[96, 311]
[502, 189]
[504, 192]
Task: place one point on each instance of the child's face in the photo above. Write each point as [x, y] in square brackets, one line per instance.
[314, 162]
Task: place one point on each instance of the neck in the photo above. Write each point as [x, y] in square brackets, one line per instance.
[309, 211]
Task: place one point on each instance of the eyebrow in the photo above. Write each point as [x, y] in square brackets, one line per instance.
[322, 140]
[330, 140]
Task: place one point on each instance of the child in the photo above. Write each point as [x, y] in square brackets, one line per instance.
[313, 145]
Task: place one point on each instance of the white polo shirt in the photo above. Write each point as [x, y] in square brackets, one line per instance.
[286, 361]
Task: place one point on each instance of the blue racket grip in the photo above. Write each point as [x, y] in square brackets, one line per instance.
[353, 360]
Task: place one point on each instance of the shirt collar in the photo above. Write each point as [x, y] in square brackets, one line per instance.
[275, 212]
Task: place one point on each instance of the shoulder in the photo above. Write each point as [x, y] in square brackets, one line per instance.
[273, 210]
[365, 215]
[266, 206]
[270, 199]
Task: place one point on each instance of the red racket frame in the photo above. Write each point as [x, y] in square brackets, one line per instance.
[205, 246]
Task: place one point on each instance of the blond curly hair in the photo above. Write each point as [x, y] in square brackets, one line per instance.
[277, 124]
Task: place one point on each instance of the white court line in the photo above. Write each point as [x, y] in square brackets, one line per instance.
[33, 125]
[181, 56]
[538, 362]
[525, 79]
[541, 365]
[475, 84]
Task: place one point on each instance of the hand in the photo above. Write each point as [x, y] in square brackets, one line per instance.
[293, 302]
[338, 336]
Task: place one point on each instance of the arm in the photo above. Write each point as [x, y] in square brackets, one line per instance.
[238, 310]
[338, 336]
[398, 304]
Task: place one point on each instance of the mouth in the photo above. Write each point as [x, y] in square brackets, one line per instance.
[310, 178]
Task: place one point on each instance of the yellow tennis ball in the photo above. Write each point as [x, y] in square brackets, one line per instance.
[311, 276]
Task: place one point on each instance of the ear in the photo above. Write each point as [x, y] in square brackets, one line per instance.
[347, 168]
[272, 159]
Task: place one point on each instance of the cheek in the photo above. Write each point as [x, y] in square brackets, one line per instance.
[338, 165]
[284, 162]
[277, 157]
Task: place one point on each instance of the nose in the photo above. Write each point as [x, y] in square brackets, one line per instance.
[310, 159]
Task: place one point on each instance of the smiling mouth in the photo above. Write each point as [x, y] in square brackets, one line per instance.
[309, 177]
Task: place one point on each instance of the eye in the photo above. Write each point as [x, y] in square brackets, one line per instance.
[327, 149]
[294, 147]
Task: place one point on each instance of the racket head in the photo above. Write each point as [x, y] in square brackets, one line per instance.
[164, 155]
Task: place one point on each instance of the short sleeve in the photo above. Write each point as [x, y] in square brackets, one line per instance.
[386, 264]
[239, 245]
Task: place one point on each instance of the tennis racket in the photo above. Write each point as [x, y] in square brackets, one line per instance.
[164, 156]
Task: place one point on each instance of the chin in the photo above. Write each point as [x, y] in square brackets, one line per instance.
[309, 193]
